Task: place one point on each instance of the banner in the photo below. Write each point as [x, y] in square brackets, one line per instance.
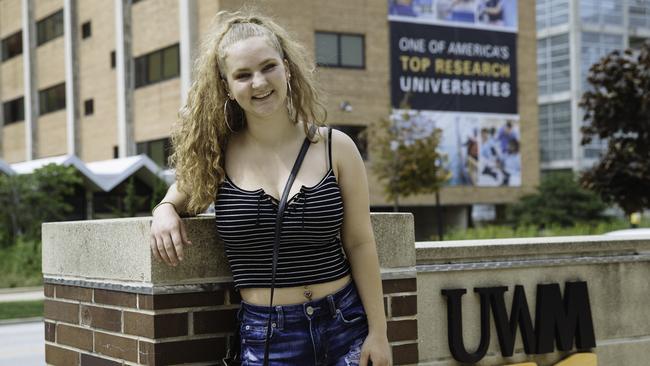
[478, 14]
[454, 67]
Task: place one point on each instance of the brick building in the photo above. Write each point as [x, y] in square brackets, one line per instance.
[104, 79]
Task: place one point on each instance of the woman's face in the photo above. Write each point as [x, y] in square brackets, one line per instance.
[256, 77]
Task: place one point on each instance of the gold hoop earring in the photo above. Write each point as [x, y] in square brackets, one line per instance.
[290, 107]
[225, 116]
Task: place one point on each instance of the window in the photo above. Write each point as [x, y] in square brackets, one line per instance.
[112, 59]
[358, 135]
[553, 64]
[12, 46]
[157, 150]
[14, 110]
[89, 107]
[157, 66]
[550, 13]
[601, 11]
[52, 99]
[85, 30]
[594, 47]
[340, 50]
[639, 11]
[49, 28]
[555, 131]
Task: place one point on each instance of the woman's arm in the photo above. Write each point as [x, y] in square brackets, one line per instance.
[168, 234]
[359, 244]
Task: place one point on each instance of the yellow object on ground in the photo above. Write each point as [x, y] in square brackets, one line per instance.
[579, 359]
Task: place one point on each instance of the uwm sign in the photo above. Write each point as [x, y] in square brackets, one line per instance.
[557, 320]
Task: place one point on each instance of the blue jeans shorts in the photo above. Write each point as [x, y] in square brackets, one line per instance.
[326, 331]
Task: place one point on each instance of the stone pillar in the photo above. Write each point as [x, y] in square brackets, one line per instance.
[70, 25]
[109, 302]
[125, 78]
[30, 80]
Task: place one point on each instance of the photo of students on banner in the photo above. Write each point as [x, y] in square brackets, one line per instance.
[486, 14]
[482, 150]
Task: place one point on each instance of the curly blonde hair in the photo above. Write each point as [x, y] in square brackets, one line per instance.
[200, 136]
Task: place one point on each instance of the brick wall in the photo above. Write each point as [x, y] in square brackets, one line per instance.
[85, 326]
[401, 308]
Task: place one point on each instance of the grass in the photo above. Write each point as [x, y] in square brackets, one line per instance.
[21, 309]
[505, 231]
[20, 265]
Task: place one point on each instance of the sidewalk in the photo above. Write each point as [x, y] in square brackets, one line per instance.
[21, 294]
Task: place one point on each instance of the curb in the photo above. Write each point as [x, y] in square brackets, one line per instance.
[20, 320]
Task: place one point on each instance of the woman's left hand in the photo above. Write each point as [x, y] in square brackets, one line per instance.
[376, 349]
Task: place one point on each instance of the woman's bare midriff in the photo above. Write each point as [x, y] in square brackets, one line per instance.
[292, 295]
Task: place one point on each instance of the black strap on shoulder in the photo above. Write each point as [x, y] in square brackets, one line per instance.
[278, 227]
[329, 144]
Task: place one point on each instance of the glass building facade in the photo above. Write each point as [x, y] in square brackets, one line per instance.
[572, 35]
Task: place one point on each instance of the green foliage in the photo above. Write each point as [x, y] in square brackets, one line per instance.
[618, 109]
[406, 158]
[31, 199]
[132, 202]
[21, 309]
[531, 231]
[159, 191]
[20, 264]
[560, 201]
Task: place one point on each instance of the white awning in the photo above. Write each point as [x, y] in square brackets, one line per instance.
[103, 175]
[114, 171]
[28, 167]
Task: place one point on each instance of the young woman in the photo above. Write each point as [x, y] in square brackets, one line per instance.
[248, 112]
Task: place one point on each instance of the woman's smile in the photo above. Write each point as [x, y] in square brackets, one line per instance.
[263, 96]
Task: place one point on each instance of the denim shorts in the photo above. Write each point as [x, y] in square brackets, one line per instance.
[326, 331]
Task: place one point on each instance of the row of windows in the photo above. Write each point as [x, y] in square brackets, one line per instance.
[51, 99]
[332, 50]
[47, 29]
[553, 67]
[555, 12]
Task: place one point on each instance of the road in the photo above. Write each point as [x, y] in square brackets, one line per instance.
[22, 344]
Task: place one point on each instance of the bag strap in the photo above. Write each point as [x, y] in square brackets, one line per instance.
[278, 227]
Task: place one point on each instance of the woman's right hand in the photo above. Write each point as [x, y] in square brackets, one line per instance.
[168, 235]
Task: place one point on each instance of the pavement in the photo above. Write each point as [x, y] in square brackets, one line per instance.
[22, 341]
[22, 344]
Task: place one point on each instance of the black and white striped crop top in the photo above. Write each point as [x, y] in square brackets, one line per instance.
[310, 245]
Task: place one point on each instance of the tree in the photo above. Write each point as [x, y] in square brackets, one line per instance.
[159, 191]
[618, 109]
[559, 201]
[31, 199]
[406, 156]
